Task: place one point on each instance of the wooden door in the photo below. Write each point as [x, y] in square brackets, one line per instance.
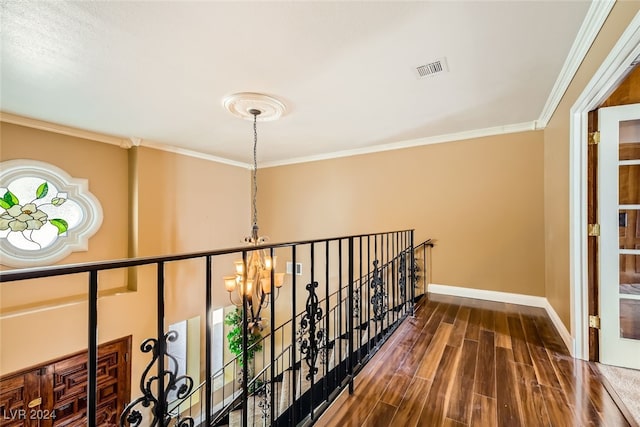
[54, 394]
[21, 398]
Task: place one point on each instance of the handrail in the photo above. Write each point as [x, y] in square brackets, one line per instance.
[59, 270]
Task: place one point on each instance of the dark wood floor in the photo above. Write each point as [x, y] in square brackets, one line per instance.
[464, 362]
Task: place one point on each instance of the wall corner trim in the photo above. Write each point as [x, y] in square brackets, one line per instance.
[511, 298]
[593, 22]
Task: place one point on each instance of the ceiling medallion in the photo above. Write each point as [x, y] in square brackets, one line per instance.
[241, 104]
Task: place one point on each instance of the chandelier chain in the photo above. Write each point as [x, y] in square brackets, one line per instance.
[255, 170]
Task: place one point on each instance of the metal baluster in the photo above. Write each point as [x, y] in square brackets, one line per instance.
[245, 341]
[413, 280]
[92, 386]
[208, 311]
[327, 324]
[162, 345]
[368, 287]
[312, 334]
[293, 339]
[350, 310]
[339, 333]
[376, 258]
[386, 276]
[395, 273]
[272, 349]
[394, 261]
[360, 275]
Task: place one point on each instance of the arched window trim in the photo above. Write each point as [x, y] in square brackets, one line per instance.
[76, 239]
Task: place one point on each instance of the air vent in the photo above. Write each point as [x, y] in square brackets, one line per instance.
[433, 68]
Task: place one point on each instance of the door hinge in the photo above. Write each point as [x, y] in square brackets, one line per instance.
[594, 321]
[594, 138]
[593, 230]
[126, 357]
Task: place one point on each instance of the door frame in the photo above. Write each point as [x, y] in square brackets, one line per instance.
[612, 71]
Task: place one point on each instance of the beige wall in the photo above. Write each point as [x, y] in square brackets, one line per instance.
[481, 199]
[103, 165]
[179, 210]
[556, 164]
[205, 204]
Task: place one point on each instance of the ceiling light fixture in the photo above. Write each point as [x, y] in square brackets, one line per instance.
[256, 272]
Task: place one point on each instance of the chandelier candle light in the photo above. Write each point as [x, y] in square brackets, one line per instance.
[256, 272]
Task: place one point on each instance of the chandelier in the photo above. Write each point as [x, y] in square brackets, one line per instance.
[255, 277]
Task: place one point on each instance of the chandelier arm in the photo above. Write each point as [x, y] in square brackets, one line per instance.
[233, 302]
[264, 301]
[257, 316]
[250, 315]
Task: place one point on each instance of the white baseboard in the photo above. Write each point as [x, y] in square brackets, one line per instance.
[569, 341]
[520, 299]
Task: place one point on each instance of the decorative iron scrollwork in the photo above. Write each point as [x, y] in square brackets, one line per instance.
[415, 270]
[379, 297]
[301, 333]
[356, 303]
[182, 384]
[264, 400]
[402, 277]
[315, 340]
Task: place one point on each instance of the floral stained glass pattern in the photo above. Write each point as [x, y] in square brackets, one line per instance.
[34, 213]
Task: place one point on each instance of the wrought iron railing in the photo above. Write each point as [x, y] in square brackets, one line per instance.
[325, 325]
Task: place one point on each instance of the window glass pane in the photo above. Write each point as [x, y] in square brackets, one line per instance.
[630, 274]
[217, 346]
[629, 228]
[177, 349]
[34, 213]
[629, 190]
[630, 319]
[630, 140]
[630, 151]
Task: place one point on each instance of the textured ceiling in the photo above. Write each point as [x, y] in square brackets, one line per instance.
[160, 70]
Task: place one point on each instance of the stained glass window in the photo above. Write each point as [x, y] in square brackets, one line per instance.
[45, 214]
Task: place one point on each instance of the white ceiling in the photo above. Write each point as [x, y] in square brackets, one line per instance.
[160, 70]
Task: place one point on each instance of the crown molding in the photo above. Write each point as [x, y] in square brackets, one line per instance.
[125, 143]
[139, 142]
[192, 153]
[62, 129]
[593, 22]
[450, 137]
